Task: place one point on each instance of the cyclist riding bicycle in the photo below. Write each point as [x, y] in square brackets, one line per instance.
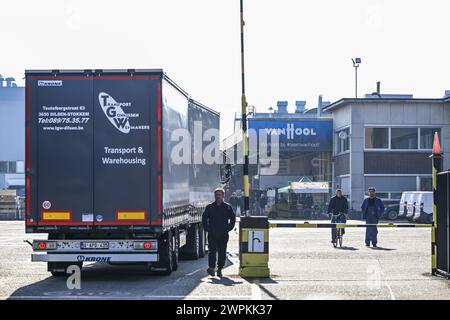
[338, 208]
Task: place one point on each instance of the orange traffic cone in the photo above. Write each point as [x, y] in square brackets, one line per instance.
[436, 145]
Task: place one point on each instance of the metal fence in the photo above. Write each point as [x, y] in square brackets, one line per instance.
[12, 207]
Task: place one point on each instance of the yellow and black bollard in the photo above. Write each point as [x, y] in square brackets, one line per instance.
[436, 158]
[254, 247]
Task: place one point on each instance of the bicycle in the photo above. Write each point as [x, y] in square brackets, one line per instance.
[339, 231]
[339, 238]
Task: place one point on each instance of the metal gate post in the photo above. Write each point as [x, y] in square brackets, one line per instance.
[436, 159]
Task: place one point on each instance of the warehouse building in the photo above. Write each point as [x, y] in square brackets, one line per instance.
[12, 135]
[385, 141]
[380, 140]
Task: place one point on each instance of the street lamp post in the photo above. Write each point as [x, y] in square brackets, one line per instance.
[356, 63]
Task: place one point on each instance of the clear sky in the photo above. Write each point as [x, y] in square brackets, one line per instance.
[295, 50]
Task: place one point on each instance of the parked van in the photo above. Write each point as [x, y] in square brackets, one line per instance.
[405, 201]
[424, 207]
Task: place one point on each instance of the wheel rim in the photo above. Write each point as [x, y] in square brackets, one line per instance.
[392, 215]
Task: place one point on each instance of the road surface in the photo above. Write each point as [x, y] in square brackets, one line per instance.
[303, 264]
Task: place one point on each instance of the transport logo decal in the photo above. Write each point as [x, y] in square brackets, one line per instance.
[94, 259]
[49, 83]
[114, 112]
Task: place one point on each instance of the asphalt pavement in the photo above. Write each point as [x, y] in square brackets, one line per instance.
[303, 263]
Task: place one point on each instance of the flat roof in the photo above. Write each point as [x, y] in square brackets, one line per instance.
[346, 101]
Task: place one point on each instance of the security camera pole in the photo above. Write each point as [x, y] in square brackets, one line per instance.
[246, 184]
[356, 63]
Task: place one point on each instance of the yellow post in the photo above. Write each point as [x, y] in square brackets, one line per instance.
[436, 158]
[254, 247]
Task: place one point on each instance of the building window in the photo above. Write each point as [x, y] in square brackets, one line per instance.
[427, 137]
[377, 138]
[396, 195]
[404, 138]
[343, 140]
[7, 166]
[381, 195]
[401, 138]
[387, 195]
[426, 184]
[20, 166]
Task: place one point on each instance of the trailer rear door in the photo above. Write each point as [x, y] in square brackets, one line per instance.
[63, 107]
[122, 149]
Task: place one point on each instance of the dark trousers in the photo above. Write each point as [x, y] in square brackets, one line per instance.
[371, 232]
[371, 235]
[217, 245]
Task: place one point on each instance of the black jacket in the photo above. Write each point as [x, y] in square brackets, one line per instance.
[218, 220]
[338, 205]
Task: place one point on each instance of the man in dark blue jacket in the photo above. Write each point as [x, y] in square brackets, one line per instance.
[218, 219]
[372, 209]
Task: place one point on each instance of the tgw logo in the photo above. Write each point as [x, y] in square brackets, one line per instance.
[113, 111]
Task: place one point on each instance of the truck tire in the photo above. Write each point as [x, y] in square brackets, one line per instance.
[192, 248]
[175, 249]
[202, 251]
[392, 215]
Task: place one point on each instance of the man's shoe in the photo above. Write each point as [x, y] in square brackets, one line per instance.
[211, 272]
[374, 245]
[367, 244]
[219, 273]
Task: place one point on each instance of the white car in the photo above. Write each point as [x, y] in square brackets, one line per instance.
[424, 207]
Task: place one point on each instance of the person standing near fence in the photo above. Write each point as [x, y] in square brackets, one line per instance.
[372, 209]
[234, 202]
[262, 204]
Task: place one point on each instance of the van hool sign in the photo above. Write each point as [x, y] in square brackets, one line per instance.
[296, 135]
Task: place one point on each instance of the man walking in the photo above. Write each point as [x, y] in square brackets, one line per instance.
[234, 202]
[338, 208]
[372, 209]
[262, 204]
[218, 219]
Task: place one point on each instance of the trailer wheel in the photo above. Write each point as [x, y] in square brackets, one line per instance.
[191, 250]
[175, 249]
[202, 241]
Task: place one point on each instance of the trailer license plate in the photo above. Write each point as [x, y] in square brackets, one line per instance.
[94, 245]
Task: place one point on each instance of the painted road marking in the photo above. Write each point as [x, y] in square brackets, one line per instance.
[256, 290]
